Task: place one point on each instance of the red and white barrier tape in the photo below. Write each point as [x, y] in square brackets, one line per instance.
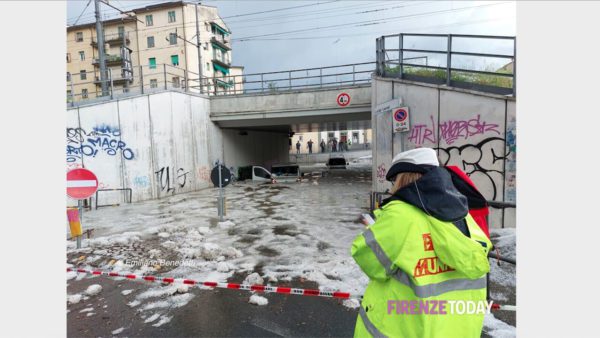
[248, 287]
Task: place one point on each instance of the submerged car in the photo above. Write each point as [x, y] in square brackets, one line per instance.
[279, 173]
[337, 163]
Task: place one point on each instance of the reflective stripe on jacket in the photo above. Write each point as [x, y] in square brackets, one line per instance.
[410, 256]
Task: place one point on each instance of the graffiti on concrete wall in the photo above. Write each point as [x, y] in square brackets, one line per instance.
[381, 171]
[141, 181]
[451, 130]
[204, 174]
[482, 161]
[510, 194]
[169, 179]
[101, 139]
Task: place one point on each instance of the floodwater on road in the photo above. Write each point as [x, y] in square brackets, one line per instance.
[291, 234]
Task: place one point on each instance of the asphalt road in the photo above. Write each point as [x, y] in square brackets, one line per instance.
[211, 313]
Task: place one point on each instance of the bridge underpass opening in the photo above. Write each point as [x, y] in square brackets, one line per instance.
[267, 141]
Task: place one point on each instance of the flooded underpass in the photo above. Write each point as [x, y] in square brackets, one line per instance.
[287, 234]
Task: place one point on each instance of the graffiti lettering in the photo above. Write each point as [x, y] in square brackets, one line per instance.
[381, 173]
[164, 181]
[102, 138]
[204, 174]
[481, 161]
[451, 130]
[141, 181]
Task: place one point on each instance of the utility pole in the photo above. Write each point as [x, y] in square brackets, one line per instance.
[101, 56]
[199, 50]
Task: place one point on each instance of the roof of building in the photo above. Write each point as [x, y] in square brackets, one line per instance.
[105, 22]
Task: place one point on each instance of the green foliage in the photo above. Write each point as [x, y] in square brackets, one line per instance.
[482, 79]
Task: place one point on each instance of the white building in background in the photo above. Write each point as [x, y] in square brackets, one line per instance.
[357, 139]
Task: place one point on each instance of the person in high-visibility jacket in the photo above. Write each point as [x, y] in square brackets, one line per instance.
[423, 250]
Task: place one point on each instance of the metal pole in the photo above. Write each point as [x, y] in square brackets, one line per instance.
[353, 75]
[186, 81]
[383, 56]
[72, 92]
[262, 83]
[165, 74]
[401, 58]
[101, 56]
[321, 77]
[142, 79]
[515, 67]
[449, 60]
[111, 83]
[79, 207]
[290, 77]
[199, 49]
[220, 193]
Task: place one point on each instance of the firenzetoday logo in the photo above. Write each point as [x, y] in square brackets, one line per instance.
[438, 307]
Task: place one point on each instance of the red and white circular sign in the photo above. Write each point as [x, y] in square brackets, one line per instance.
[81, 183]
[343, 99]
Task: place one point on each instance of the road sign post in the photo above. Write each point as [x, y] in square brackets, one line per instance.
[81, 184]
[220, 177]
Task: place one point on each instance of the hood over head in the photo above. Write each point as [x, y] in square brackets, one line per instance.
[435, 194]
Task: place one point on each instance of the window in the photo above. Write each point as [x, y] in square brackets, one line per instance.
[175, 60]
[260, 172]
[207, 27]
[176, 82]
[69, 95]
[150, 41]
[207, 66]
[81, 55]
[68, 57]
[172, 38]
[354, 137]
[153, 83]
[171, 16]
[79, 36]
[82, 74]
[206, 46]
[121, 31]
[68, 76]
[152, 63]
[84, 93]
[149, 21]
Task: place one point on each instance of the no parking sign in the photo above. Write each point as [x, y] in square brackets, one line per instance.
[400, 120]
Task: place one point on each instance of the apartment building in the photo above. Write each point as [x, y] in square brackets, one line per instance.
[146, 48]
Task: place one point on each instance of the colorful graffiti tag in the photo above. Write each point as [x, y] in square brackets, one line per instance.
[101, 139]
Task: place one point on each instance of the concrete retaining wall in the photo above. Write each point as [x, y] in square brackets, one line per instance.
[471, 130]
[159, 145]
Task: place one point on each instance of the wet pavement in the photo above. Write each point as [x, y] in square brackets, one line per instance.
[291, 234]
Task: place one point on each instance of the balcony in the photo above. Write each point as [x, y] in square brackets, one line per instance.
[224, 64]
[111, 60]
[117, 39]
[117, 81]
[220, 41]
[113, 40]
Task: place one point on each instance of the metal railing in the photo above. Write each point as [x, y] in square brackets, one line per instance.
[449, 69]
[302, 79]
[160, 77]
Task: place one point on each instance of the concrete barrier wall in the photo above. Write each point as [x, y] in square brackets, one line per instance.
[157, 145]
[473, 131]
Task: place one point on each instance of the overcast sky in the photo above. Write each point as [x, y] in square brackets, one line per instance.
[303, 37]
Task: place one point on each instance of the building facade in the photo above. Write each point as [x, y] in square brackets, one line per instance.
[152, 48]
[358, 139]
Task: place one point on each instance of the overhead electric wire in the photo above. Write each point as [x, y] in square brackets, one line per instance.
[83, 11]
[410, 30]
[368, 21]
[279, 9]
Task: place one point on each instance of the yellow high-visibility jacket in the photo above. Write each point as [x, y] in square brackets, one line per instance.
[424, 246]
